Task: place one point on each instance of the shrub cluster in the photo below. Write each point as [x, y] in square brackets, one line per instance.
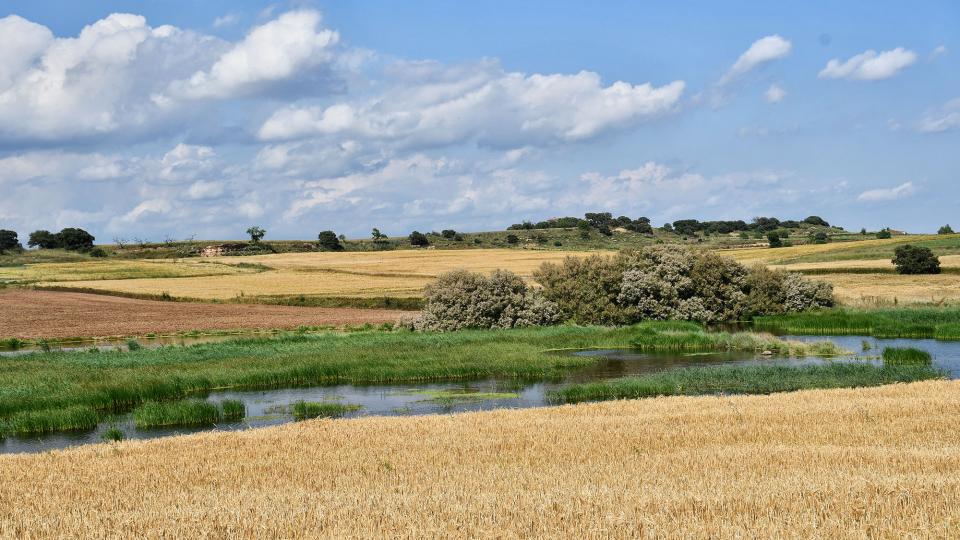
[655, 283]
[915, 260]
[462, 299]
[673, 283]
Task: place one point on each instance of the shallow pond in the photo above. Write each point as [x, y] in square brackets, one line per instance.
[272, 407]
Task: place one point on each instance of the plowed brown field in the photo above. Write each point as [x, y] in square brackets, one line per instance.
[28, 314]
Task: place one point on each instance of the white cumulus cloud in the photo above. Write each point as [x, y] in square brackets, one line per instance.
[775, 94]
[274, 51]
[869, 65]
[763, 50]
[433, 105]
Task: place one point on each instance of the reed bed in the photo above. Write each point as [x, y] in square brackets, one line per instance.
[747, 380]
[190, 412]
[71, 418]
[939, 323]
[907, 356]
[116, 381]
[305, 410]
[873, 462]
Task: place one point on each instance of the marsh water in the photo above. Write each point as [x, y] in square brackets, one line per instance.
[272, 407]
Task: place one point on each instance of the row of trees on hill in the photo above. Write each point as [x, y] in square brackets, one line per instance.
[604, 222]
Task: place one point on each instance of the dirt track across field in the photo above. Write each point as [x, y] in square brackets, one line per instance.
[29, 314]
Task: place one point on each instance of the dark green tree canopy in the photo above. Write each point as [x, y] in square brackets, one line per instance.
[946, 229]
[328, 241]
[75, 239]
[774, 239]
[8, 240]
[43, 239]
[256, 234]
[911, 259]
[817, 220]
[417, 238]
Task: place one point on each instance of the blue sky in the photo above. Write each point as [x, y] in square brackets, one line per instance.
[179, 118]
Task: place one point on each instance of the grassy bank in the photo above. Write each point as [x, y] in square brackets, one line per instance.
[939, 323]
[106, 382]
[745, 380]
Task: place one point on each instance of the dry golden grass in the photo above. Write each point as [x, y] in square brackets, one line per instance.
[946, 261]
[867, 290]
[405, 273]
[119, 269]
[364, 274]
[868, 463]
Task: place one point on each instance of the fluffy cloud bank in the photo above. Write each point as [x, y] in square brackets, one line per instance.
[869, 65]
[481, 103]
[122, 76]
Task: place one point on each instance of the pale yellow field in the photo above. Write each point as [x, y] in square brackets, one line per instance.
[405, 273]
[365, 274]
[869, 463]
[119, 269]
[887, 289]
[946, 261]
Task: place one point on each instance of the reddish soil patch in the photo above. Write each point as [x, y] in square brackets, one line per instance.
[30, 314]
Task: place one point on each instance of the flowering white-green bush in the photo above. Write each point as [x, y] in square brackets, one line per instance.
[673, 283]
[462, 299]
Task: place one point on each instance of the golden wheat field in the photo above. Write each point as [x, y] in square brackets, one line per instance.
[868, 463]
[119, 270]
[405, 273]
[360, 274]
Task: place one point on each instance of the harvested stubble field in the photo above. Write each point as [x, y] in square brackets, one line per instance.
[121, 269]
[880, 462]
[356, 274]
[30, 314]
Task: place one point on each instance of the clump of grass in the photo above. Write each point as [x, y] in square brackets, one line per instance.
[907, 356]
[303, 410]
[113, 434]
[133, 345]
[678, 336]
[67, 419]
[189, 412]
[233, 410]
[12, 344]
[744, 380]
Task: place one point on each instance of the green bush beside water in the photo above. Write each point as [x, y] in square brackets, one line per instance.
[744, 380]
